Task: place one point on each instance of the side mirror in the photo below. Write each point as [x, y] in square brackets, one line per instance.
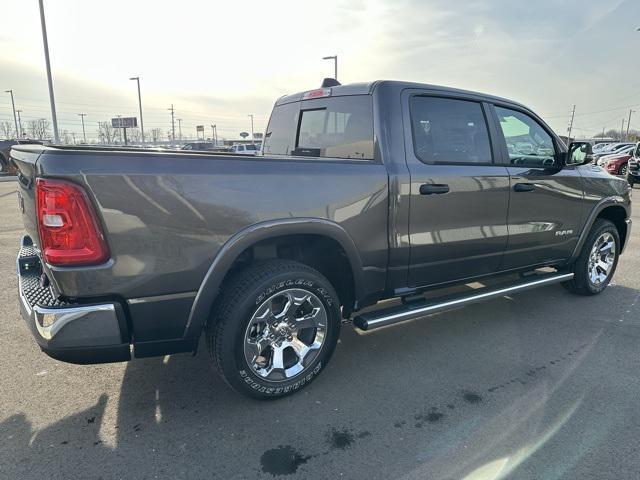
[580, 153]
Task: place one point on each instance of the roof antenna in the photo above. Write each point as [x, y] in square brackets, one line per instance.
[330, 82]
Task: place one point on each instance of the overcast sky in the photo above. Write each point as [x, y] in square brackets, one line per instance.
[218, 61]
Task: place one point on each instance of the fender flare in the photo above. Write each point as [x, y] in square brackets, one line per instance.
[239, 242]
[613, 201]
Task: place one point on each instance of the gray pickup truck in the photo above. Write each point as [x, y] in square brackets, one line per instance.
[363, 193]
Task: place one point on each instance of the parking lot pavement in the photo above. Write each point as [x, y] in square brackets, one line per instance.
[544, 385]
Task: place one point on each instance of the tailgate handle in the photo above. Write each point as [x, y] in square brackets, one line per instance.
[523, 187]
[434, 189]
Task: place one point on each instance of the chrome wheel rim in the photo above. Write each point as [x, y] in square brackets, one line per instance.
[285, 335]
[623, 170]
[601, 259]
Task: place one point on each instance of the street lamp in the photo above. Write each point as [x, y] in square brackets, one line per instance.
[84, 135]
[137, 79]
[335, 64]
[54, 118]
[15, 120]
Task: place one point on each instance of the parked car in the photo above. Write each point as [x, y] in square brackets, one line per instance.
[246, 149]
[198, 146]
[610, 150]
[617, 164]
[363, 193]
[602, 161]
[633, 170]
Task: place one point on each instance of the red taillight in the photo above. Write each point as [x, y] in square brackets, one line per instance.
[69, 230]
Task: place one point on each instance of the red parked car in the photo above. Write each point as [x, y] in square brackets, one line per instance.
[618, 164]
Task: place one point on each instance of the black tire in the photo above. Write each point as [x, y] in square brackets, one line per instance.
[623, 170]
[581, 283]
[246, 292]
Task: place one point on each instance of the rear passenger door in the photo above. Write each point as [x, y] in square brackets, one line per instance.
[545, 206]
[459, 189]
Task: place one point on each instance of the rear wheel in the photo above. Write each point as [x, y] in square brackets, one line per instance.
[597, 261]
[274, 328]
[623, 170]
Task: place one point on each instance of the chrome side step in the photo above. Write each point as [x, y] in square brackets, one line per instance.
[402, 313]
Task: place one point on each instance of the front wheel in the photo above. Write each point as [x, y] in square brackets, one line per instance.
[274, 328]
[597, 261]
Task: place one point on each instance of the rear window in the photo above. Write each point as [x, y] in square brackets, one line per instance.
[338, 127]
[342, 128]
[251, 147]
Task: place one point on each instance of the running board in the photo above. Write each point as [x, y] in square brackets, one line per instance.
[402, 313]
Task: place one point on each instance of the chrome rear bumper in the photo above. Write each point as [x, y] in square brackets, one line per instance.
[72, 332]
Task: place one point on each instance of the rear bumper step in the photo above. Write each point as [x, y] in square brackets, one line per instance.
[382, 318]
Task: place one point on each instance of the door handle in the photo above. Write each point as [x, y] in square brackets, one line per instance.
[434, 189]
[523, 187]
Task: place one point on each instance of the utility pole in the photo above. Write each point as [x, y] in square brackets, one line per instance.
[56, 138]
[629, 123]
[19, 123]
[573, 113]
[13, 105]
[84, 135]
[179, 120]
[173, 124]
[622, 130]
[213, 132]
[603, 132]
[73, 135]
[335, 64]
[252, 139]
[137, 79]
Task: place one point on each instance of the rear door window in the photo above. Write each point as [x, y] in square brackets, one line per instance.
[449, 131]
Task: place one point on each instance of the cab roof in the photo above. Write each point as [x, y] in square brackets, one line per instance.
[367, 88]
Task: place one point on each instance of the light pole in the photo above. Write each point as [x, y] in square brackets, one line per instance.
[173, 123]
[335, 64]
[56, 138]
[179, 120]
[19, 123]
[629, 123]
[137, 79]
[13, 105]
[84, 135]
[252, 139]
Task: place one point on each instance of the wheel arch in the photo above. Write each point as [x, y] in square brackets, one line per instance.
[611, 208]
[255, 235]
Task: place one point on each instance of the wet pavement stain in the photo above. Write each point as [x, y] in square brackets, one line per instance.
[340, 439]
[471, 397]
[284, 460]
[431, 417]
[400, 424]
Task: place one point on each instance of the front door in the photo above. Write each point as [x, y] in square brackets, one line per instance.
[459, 191]
[545, 206]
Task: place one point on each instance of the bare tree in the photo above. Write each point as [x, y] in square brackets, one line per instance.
[39, 129]
[106, 132]
[156, 135]
[65, 137]
[6, 129]
[133, 135]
